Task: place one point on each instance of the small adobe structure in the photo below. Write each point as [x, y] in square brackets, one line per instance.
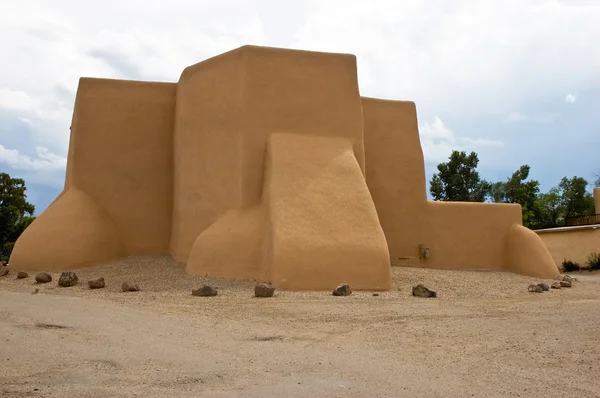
[266, 164]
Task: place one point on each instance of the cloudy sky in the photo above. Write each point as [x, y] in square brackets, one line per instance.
[518, 81]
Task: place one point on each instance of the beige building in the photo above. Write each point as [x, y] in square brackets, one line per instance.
[574, 243]
[265, 164]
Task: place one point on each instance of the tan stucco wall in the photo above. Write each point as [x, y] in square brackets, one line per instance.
[571, 243]
[263, 164]
[120, 167]
[597, 200]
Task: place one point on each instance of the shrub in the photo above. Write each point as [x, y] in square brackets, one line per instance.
[570, 266]
[593, 261]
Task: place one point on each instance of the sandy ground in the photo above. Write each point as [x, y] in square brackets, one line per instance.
[485, 335]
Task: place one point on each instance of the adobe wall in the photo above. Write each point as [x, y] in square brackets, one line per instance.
[246, 95]
[118, 183]
[322, 226]
[265, 164]
[395, 172]
[597, 200]
[207, 147]
[571, 243]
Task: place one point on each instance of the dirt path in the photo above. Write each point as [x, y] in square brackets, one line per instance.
[483, 336]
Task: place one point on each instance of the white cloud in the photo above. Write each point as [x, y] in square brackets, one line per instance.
[43, 161]
[438, 141]
[570, 98]
[460, 59]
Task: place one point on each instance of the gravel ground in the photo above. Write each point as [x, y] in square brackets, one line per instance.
[484, 335]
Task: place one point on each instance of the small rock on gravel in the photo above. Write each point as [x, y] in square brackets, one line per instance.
[4, 271]
[264, 290]
[544, 286]
[22, 275]
[205, 291]
[535, 289]
[130, 287]
[569, 278]
[96, 283]
[555, 285]
[342, 290]
[421, 291]
[565, 283]
[68, 279]
[375, 294]
[43, 277]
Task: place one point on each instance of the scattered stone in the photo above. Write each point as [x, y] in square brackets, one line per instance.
[555, 285]
[421, 291]
[4, 271]
[43, 277]
[569, 278]
[342, 290]
[22, 275]
[565, 283]
[130, 287]
[535, 289]
[96, 283]
[544, 286]
[68, 279]
[264, 290]
[375, 294]
[205, 291]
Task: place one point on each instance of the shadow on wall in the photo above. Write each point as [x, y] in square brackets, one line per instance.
[265, 164]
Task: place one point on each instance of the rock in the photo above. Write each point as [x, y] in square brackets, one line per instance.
[544, 286]
[375, 294]
[4, 271]
[43, 277]
[569, 278]
[96, 283]
[555, 285]
[130, 287]
[421, 291]
[565, 283]
[68, 279]
[264, 290]
[3, 263]
[535, 289]
[22, 275]
[205, 291]
[35, 291]
[342, 290]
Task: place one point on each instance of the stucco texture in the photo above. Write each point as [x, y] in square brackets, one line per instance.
[572, 243]
[263, 164]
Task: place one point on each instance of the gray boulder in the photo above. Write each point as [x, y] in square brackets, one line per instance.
[130, 287]
[535, 289]
[205, 291]
[264, 290]
[22, 275]
[342, 290]
[43, 277]
[96, 283]
[68, 279]
[544, 286]
[421, 291]
[4, 271]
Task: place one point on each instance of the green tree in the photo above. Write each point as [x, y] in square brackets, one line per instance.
[16, 213]
[458, 180]
[575, 199]
[551, 209]
[516, 190]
